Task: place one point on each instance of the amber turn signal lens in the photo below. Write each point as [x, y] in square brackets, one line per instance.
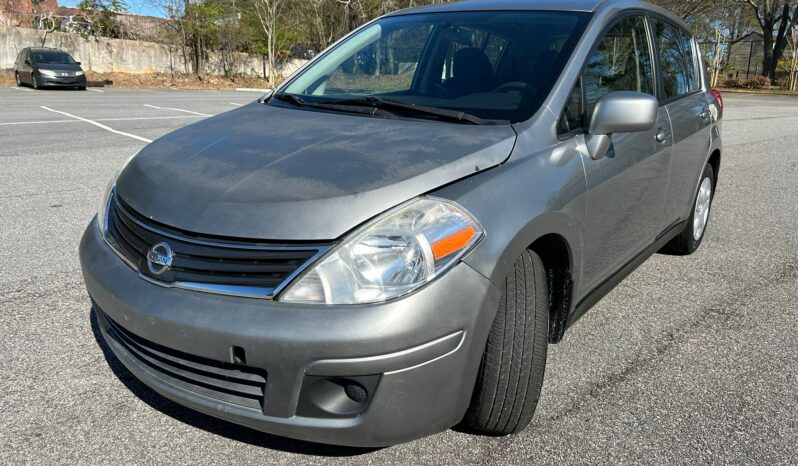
[452, 243]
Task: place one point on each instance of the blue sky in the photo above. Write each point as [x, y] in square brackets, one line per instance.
[137, 7]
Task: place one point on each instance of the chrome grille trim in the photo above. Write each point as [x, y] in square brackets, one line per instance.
[258, 292]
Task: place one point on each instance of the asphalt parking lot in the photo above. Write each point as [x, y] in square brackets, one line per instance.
[691, 360]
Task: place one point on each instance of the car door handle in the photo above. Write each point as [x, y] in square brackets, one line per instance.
[705, 114]
[663, 136]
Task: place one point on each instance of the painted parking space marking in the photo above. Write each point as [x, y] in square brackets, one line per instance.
[22, 89]
[40, 122]
[236, 105]
[99, 125]
[178, 110]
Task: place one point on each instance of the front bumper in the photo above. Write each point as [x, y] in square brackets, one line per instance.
[57, 81]
[423, 351]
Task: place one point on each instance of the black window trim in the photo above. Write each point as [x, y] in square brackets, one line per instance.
[661, 82]
[580, 82]
[582, 129]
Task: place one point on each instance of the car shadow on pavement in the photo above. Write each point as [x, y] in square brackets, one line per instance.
[208, 423]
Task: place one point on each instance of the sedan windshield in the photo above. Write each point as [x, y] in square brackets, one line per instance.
[52, 58]
[469, 67]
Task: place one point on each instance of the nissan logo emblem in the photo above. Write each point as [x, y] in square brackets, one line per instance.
[159, 258]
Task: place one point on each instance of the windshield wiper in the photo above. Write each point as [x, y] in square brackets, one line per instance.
[300, 102]
[291, 98]
[410, 109]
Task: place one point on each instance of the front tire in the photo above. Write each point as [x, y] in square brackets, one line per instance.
[511, 373]
[688, 241]
[34, 81]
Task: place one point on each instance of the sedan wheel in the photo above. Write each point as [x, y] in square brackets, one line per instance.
[16, 76]
[689, 239]
[511, 373]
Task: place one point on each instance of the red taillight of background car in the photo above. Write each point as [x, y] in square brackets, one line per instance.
[718, 97]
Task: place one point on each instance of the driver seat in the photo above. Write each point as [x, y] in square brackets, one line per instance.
[472, 71]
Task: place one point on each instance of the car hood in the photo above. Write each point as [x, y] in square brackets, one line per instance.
[276, 173]
[57, 67]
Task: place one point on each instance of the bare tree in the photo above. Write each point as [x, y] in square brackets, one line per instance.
[48, 24]
[269, 14]
[717, 57]
[791, 62]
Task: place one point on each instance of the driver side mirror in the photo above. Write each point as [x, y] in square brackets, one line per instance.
[77, 63]
[619, 112]
[27, 61]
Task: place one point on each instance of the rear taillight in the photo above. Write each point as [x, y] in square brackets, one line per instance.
[718, 97]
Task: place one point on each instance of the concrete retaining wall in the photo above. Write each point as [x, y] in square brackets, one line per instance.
[105, 55]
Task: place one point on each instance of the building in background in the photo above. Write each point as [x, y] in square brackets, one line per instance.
[30, 13]
[746, 56]
[17, 12]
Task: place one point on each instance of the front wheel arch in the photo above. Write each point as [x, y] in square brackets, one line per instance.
[555, 253]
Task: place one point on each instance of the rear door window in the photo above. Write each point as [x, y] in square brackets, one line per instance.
[689, 56]
[673, 64]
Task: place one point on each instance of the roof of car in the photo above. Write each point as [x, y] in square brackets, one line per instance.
[587, 6]
[477, 5]
[559, 5]
[45, 49]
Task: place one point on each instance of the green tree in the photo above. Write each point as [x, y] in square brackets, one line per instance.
[201, 30]
[99, 16]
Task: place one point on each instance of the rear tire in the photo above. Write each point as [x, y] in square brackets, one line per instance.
[16, 77]
[511, 373]
[688, 241]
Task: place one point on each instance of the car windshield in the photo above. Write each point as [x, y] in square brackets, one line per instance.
[490, 66]
[52, 58]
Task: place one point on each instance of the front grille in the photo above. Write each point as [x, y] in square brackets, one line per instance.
[207, 263]
[228, 383]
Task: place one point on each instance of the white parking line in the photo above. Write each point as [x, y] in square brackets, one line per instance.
[237, 105]
[178, 110]
[40, 122]
[99, 125]
[95, 90]
[21, 89]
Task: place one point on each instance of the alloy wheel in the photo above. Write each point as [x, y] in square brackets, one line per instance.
[702, 205]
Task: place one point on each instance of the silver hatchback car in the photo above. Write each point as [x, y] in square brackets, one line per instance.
[385, 245]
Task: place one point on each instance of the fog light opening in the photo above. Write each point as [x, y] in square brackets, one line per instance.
[336, 397]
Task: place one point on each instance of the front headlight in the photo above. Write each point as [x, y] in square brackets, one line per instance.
[394, 255]
[102, 211]
[47, 72]
[78, 73]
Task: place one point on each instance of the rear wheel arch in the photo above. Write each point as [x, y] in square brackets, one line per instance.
[714, 162]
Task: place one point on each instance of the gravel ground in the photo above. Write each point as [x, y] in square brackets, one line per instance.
[690, 360]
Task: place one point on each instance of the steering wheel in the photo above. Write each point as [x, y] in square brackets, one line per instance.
[445, 93]
[513, 86]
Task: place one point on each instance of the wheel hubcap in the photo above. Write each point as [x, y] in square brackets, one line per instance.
[702, 204]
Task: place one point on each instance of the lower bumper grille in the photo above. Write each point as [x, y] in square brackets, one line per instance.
[228, 383]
